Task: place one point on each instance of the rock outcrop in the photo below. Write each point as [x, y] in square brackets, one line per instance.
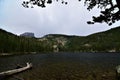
[27, 34]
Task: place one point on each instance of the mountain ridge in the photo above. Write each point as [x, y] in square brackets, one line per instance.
[107, 41]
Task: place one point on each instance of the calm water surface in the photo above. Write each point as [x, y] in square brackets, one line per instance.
[64, 66]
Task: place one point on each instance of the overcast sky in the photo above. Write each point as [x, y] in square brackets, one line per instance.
[54, 19]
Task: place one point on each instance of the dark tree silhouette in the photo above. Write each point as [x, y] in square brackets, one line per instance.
[110, 13]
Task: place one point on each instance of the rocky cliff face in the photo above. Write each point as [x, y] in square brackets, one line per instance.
[27, 34]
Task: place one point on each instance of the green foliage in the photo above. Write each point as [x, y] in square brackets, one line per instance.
[10, 43]
[108, 41]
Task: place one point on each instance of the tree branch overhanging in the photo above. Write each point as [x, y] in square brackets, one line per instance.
[108, 15]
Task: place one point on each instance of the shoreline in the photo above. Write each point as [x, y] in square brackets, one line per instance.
[22, 53]
[16, 53]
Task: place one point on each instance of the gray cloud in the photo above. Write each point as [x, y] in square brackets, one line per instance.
[54, 19]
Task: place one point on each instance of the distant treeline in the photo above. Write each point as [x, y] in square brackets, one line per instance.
[10, 43]
[108, 41]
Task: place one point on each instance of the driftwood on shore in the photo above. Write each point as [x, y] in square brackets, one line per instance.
[118, 72]
[14, 71]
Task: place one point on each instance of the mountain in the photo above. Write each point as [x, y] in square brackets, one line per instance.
[107, 41]
[27, 34]
[10, 43]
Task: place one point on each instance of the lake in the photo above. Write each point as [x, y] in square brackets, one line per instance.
[63, 66]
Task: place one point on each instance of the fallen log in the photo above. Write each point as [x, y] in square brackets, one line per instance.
[14, 71]
[118, 72]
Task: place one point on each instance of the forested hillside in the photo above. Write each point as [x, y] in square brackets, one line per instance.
[108, 41]
[10, 43]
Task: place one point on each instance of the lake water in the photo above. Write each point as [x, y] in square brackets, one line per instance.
[64, 66]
